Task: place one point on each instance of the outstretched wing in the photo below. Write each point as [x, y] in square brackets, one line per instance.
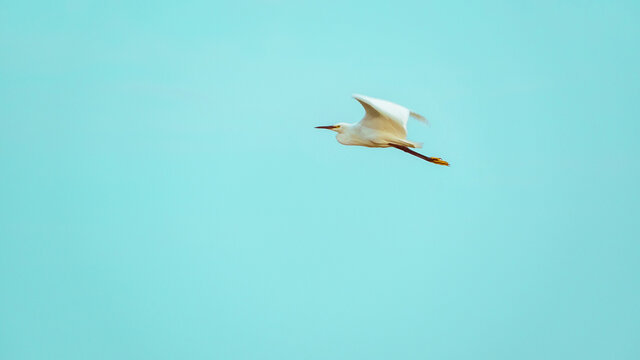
[384, 116]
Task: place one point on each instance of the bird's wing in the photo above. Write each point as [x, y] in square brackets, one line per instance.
[384, 115]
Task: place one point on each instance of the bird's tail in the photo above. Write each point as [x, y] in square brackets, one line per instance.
[407, 143]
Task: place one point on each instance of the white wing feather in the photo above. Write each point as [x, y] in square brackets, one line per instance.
[383, 115]
[386, 116]
[418, 117]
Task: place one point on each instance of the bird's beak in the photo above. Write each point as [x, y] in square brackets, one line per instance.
[329, 127]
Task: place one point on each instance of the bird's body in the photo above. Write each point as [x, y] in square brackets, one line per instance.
[361, 135]
[383, 125]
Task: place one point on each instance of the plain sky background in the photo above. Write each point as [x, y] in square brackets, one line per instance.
[164, 194]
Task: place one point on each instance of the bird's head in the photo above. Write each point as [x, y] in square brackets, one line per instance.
[339, 127]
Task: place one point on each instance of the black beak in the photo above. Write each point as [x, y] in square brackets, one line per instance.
[329, 127]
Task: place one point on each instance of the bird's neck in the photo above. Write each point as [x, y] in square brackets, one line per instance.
[348, 134]
[348, 128]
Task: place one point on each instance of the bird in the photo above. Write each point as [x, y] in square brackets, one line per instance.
[384, 125]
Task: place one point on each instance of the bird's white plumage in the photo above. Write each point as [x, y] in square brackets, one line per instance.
[384, 115]
[384, 125]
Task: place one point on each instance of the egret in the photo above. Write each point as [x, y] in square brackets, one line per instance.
[384, 125]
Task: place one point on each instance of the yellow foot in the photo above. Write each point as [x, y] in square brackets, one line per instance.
[439, 161]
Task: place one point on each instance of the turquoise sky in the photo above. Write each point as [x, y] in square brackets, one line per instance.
[164, 195]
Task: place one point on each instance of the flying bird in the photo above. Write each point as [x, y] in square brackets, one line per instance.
[384, 125]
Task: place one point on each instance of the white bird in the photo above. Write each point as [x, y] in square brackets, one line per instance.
[384, 125]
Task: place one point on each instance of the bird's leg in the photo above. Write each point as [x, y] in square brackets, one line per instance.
[423, 157]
